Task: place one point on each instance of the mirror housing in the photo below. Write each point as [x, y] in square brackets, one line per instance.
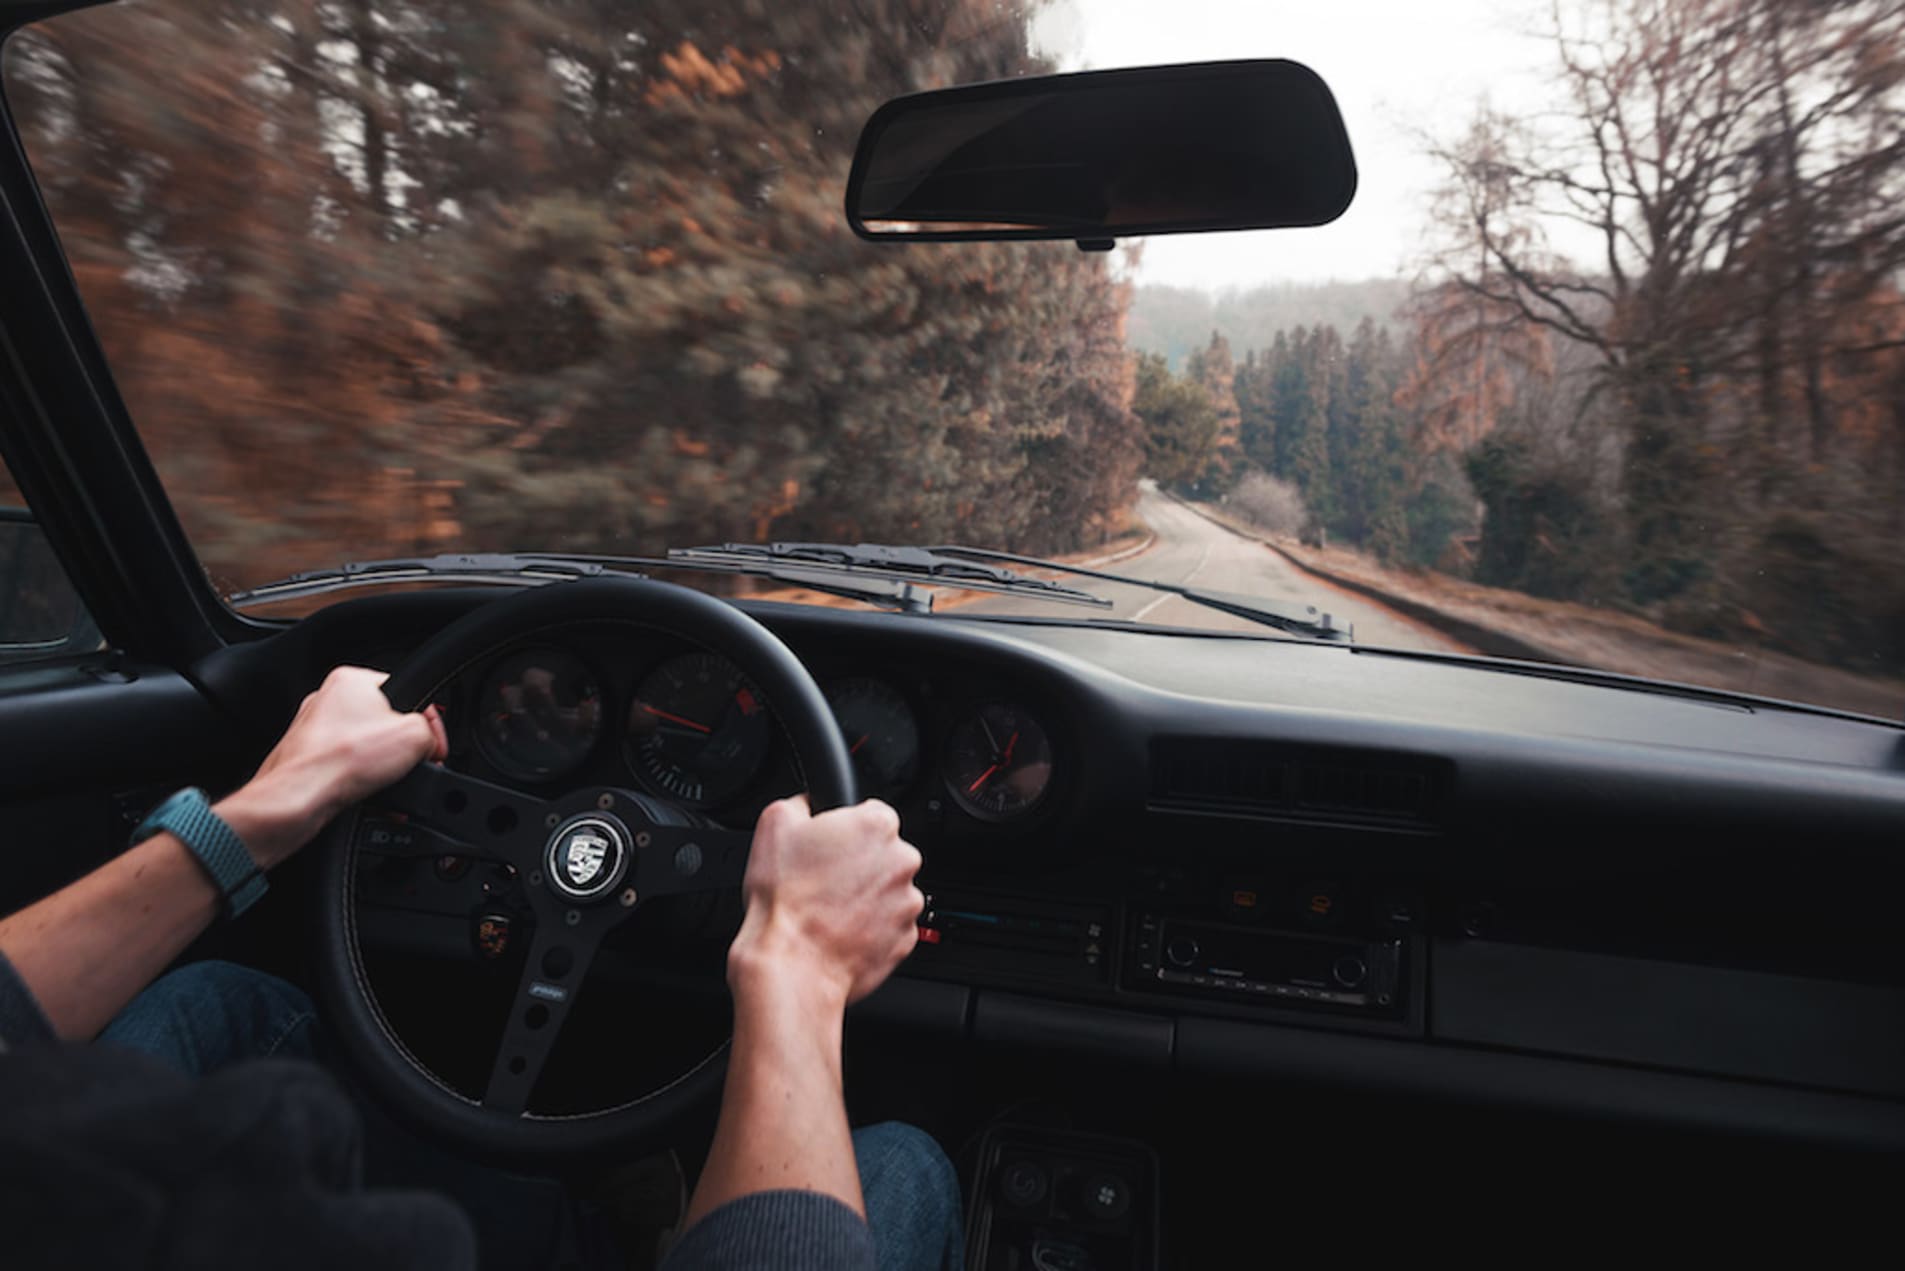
[41, 616]
[1102, 155]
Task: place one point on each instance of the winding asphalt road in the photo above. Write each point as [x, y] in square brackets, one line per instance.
[1192, 551]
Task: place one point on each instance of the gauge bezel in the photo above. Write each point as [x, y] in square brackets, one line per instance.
[961, 800]
[502, 763]
[632, 758]
[921, 762]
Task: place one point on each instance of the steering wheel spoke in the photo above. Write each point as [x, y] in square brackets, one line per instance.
[559, 958]
[679, 859]
[465, 815]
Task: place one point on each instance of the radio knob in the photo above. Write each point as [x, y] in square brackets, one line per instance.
[1350, 970]
[1181, 951]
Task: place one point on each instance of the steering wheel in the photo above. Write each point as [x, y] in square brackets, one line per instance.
[587, 860]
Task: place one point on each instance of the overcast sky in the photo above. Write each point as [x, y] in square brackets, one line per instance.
[1394, 65]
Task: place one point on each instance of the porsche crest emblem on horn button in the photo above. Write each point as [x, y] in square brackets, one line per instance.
[582, 857]
[587, 855]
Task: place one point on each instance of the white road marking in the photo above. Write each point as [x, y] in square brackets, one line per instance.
[1139, 615]
[1188, 579]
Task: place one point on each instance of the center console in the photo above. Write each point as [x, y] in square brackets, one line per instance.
[1050, 1200]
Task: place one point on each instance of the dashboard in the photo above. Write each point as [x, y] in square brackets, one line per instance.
[1194, 854]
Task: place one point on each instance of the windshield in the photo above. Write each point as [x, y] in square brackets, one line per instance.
[1605, 365]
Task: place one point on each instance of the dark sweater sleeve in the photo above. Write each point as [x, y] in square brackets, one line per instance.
[22, 1022]
[776, 1231]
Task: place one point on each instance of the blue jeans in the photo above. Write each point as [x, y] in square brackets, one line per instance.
[207, 1015]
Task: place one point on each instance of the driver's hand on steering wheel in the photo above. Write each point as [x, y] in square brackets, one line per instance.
[346, 742]
[830, 896]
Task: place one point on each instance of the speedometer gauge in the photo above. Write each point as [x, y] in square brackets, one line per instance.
[539, 714]
[881, 733]
[998, 762]
[697, 730]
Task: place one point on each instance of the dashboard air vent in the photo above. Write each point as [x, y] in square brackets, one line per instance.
[1283, 782]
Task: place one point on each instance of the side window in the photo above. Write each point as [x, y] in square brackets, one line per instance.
[41, 616]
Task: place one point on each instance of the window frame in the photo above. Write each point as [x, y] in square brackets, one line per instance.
[67, 438]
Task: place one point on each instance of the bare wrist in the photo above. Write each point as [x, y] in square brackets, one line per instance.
[272, 820]
[766, 966]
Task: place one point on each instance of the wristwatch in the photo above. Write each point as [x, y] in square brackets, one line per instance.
[188, 817]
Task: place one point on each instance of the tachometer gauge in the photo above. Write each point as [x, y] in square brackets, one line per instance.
[998, 762]
[881, 733]
[697, 730]
[539, 714]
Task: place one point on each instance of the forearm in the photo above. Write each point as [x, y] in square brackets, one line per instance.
[87, 949]
[783, 1114]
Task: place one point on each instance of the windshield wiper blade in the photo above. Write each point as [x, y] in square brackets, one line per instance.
[1296, 619]
[888, 588]
[908, 565]
[513, 569]
[505, 568]
[877, 574]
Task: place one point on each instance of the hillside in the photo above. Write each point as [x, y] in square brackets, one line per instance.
[1175, 320]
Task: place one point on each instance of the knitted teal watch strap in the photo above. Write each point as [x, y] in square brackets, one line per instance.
[188, 817]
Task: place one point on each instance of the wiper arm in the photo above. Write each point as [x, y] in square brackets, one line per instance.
[1298, 620]
[908, 565]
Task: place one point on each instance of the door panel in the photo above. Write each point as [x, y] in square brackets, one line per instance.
[85, 751]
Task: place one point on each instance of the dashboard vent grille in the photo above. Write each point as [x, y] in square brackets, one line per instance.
[1267, 779]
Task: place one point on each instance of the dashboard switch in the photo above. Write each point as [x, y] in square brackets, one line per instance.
[1106, 1197]
[1320, 905]
[1024, 1184]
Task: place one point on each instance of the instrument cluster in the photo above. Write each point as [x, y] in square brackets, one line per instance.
[686, 725]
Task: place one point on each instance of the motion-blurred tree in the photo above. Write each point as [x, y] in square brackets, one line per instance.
[563, 274]
[1737, 166]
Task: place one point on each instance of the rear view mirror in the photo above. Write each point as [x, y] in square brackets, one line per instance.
[1105, 154]
[41, 616]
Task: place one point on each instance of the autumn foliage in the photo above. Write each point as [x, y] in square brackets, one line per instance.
[379, 277]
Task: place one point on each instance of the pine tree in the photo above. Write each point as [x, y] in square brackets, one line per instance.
[1180, 423]
[1310, 443]
[1256, 420]
[1212, 369]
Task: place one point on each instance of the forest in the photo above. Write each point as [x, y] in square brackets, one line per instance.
[1657, 358]
[380, 277]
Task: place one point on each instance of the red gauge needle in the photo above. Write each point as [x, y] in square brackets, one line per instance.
[674, 719]
[854, 749]
[1004, 759]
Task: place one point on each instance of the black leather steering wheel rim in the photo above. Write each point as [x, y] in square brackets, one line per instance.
[376, 1055]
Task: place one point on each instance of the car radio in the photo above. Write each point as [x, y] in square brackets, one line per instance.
[1270, 967]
